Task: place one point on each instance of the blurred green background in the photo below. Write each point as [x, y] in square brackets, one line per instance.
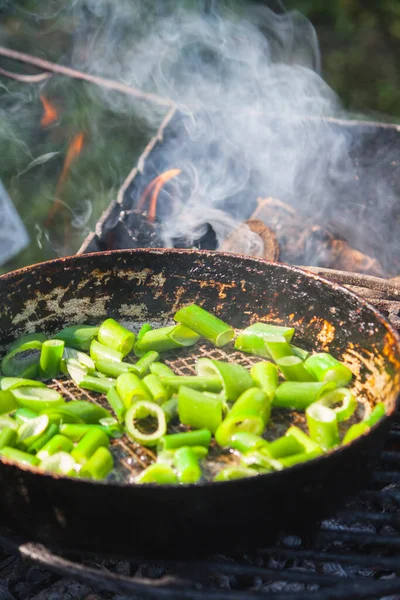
[360, 48]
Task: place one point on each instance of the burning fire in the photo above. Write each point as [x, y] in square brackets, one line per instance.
[50, 112]
[74, 149]
[154, 189]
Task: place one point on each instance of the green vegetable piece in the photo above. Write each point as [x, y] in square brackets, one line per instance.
[157, 473]
[356, 431]
[61, 415]
[166, 457]
[170, 408]
[260, 460]
[295, 459]
[252, 339]
[300, 352]
[76, 431]
[46, 436]
[115, 336]
[78, 356]
[298, 395]
[144, 329]
[167, 338]
[205, 384]
[86, 411]
[278, 347]
[237, 422]
[87, 446]
[308, 444]
[114, 369]
[187, 465]
[160, 369]
[26, 339]
[142, 366]
[76, 370]
[50, 358]
[324, 367]
[341, 401]
[11, 383]
[285, 446]
[157, 390]
[8, 437]
[96, 384]
[22, 362]
[130, 389]
[111, 426]
[205, 324]
[243, 441]
[253, 402]
[18, 456]
[201, 437]
[6, 421]
[265, 376]
[22, 415]
[8, 402]
[31, 430]
[140, 410]
[199, 410]
[37, 399]
[116, 403]
[58, 443]
[234, 378]
[99, 465]
[323, 426]
[100, 352]
[378, 412]
[293, 369]
[230, 473]
[60, 462]
[77, 336]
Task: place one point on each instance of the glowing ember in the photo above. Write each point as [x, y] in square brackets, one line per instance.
[74, 149]
[154, 189]
[50, 112]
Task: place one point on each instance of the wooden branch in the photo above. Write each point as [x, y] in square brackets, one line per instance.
[116, 86]
[356, 279]
[25, 78]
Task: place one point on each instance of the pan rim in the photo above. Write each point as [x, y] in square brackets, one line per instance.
[261, 261]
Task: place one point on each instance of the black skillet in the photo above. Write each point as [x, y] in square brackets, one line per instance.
[141, 285]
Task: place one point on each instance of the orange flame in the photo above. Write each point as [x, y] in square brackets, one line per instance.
[74, 149]
[154, 189]
[50, 112]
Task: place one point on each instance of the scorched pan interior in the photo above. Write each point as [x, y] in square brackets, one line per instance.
[149, 285]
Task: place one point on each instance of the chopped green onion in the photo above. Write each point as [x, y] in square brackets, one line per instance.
[22, 415]
[237, 472]
[76, 431]
[115, 336]
[58, 443]
[31, 430]
[323, 426]
[60, 462]
[38, 398]
[11, 383]
[114, 369]
[156, 388]
[205, 324]
[8, 402]
[157, 473]
[300, 352]
[243, 441]
[111, 426]
[356, 431]
[100, 352]
[26, 339]
[82, 358]
[326, 368]
[187, 465]
[293, 369]
[341, 401]
[308, 444]
[6, 421]
[252, 339]
[143, 364]
[130, 389]
[60, 415]
[144, 329]
[201, 437]
[278, 347]
[260, 460]
[86, 411]
[8, 437]
[99, 465]
[18, 456]
[76, 370]
[198, 410]
[232, 424]
[166, 457]
[285, 446]
[50, 358]
[265, 375]
[205, 384]
[167, 338]
[141, 409]
[38, 444]
[22, 362]
[96, 384]
[77, 336]
[170, 408]
[295, 459]
[234, 378]
[253, 401]
[116, 403]
[378, 412]
[87, 446]
[160, 369]
[297, 395]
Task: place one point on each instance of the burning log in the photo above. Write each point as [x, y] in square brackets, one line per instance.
[304, 244]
